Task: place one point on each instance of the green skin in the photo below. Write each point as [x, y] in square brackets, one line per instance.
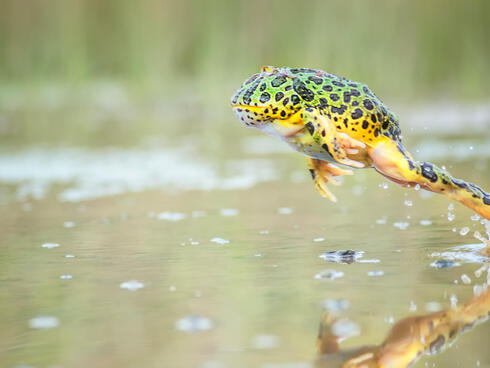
[331, 119]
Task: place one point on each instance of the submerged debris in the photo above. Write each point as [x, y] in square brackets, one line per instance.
[329, 275]
[441, 264]
[342, 256]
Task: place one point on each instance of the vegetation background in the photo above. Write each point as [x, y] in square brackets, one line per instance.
[83, 67]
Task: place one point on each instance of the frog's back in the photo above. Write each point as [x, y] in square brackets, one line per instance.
[351, 105]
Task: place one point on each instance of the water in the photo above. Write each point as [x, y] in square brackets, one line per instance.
[171, 258]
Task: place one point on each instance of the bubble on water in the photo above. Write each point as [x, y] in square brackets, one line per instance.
[44, 322]
[345, 328]
[69, 256]
[441, 264]
[408, 203]
[433, 307]
[453, 229]
[258, 255]
[193, 323]
[466, 279]
[412, 307]
[228, 212]
[375, 273]
[284, 210]
[264, 341]
[50, 245]
[417, 187]
[454, 300]
[381, 221]
[329, 275]
[171, 216]
[264, 232]
[68, 224]
[220, 241]
[450, 207]
[465, 230]
[132, 285]
[341, 256]
[66, 277]
[451, 216]
[401, 225]
[193, 242]
[336, 305]
[318, 240]
[383, 185]
[425, 222]
[389, 319]
[475, 217]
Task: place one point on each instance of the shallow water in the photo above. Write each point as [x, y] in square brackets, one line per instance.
[168, 257]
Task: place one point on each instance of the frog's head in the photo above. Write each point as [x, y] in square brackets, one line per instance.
[266, 97]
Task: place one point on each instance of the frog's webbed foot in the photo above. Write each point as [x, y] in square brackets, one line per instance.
[323, 172]
[337, 145]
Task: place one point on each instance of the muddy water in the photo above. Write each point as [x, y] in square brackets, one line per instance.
[170, 257]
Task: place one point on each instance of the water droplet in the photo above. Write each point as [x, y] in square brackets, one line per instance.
[44, 322]
[228, 212]
[329, 275]
[454, 300]
[475, 217]
[375, 273]
[171, 216]
[408, 203]
[465, 230]
[265, 342]
[451, 216]
[381, 221]
[412, 307]
[433, 307]
[417, 187]
[132, 285]
[425, 222]
[193, 324]
[68, 224]
[466, 279]
[69, 256]
[264, 232]
[317, 240]
[383, 185]
[65, 277]
[220, 241]
[285, 211]
[450, 207]
[345, 328]
[50, 245]
[401, 225]
[336, 305]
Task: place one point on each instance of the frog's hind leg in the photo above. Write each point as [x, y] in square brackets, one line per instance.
[393, 161]
[323, 172]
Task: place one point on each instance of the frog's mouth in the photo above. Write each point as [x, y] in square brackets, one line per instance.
[263, 118]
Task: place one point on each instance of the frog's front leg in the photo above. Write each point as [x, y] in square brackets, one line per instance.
[323, 172]
[337, 145]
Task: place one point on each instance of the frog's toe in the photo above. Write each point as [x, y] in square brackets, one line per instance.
[351, 163]
[321, 187]
[337, 171]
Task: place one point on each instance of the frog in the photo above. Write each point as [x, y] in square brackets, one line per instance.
[340, 125]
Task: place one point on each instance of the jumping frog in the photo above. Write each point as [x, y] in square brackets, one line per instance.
[333, 120]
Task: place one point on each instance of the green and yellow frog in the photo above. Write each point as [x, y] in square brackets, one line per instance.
[333, 120]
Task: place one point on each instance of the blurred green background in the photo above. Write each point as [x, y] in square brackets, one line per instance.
[408, 48]
[110, 72]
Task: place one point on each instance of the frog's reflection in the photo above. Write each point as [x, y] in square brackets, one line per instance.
[407, 340]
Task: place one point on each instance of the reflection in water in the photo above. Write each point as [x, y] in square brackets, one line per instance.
[407, 340]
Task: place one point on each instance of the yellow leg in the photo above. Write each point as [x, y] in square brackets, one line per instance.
[391, 160]
[323, 172]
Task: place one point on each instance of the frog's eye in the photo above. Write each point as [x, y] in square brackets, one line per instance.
[268, 69]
